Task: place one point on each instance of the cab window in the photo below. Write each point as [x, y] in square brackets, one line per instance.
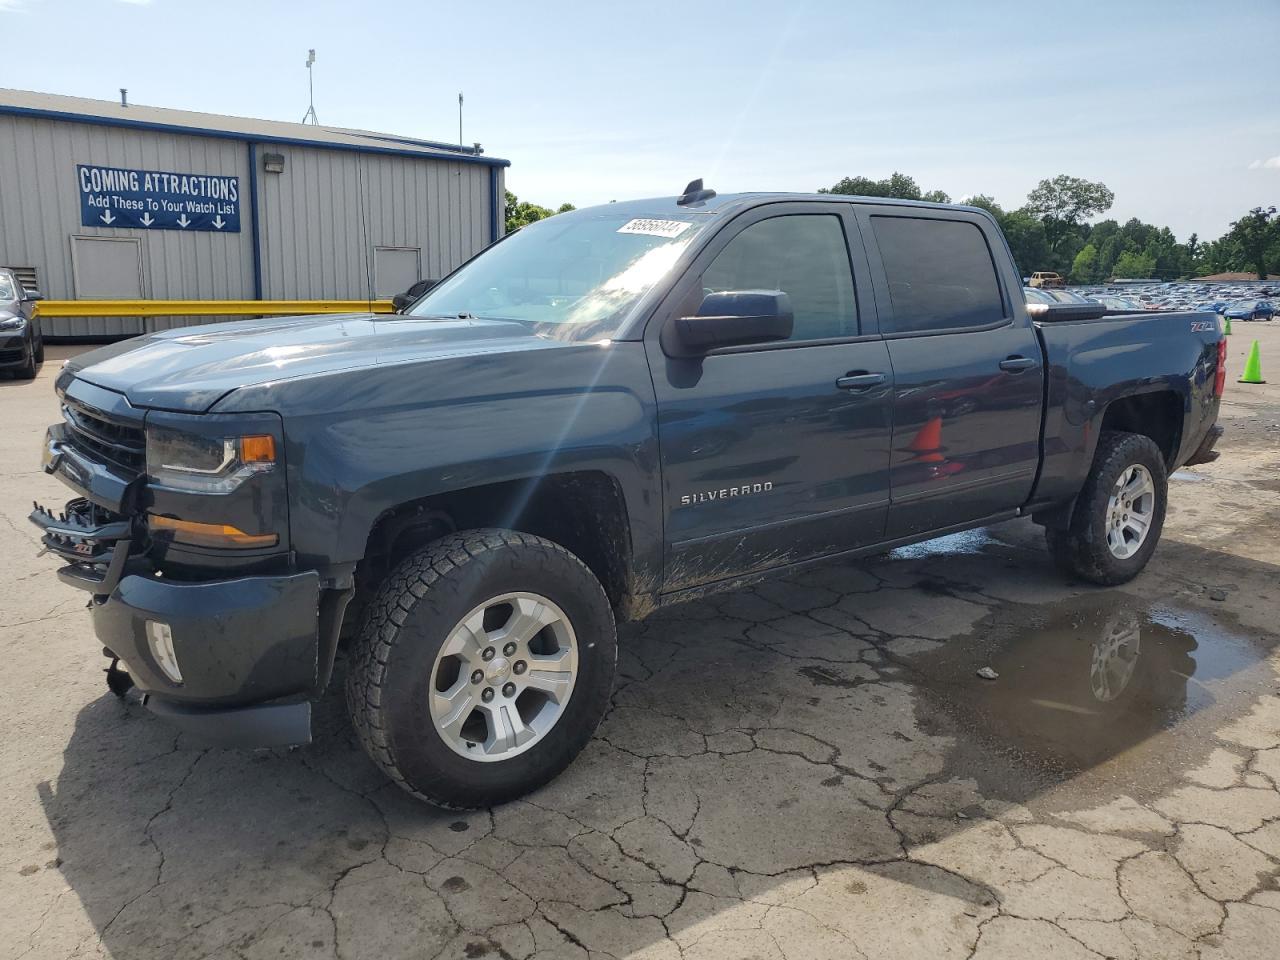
[940, 274]
[803, 255]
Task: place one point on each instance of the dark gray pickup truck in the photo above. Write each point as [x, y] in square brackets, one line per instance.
[607, 411]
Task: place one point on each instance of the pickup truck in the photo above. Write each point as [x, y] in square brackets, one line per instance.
[605, 412]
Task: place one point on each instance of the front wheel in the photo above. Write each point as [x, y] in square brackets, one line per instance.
[1119, 514]
[482, 667]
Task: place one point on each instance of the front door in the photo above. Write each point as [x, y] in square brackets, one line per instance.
[775, 453]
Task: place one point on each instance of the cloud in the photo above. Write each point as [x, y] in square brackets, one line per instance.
[14, 6]
[1271, 163]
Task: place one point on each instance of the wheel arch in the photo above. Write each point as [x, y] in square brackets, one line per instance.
[584, 511]
[1158, 414]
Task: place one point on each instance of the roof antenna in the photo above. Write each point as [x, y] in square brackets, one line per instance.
[694, 195]
[310, 116]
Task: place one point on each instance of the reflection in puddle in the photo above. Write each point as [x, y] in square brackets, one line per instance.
[968, 542]
[1086, 680]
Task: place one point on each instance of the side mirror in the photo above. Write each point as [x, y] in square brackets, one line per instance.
[29, 294]
[734, 318]
[400, 301]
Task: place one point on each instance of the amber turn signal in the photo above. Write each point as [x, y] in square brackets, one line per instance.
[258, 448]
[210, 534]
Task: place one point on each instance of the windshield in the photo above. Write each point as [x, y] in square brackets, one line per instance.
[574, 276]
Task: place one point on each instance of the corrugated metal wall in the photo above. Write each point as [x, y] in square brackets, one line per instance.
[40, 213]
[312, 229]
[316, 240]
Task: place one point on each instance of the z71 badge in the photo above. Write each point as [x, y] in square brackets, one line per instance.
[725, 493]
[1203, 326]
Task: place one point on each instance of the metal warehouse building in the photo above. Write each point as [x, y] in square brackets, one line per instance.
[99, 200]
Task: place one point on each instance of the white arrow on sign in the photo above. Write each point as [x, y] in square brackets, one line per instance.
[183, 221]
[108, 218]
[147, 220]
[218, 222]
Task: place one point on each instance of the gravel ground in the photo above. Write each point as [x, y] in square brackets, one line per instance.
[810, 768]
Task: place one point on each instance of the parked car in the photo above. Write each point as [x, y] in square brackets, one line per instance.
[1034, 295]
[1117, 303]
[21, 342]
[1046, 278]
[1066, 296]
[612, 410]
[1251, 310]
[402, 301]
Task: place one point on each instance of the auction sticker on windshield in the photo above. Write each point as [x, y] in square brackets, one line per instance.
[655, 228]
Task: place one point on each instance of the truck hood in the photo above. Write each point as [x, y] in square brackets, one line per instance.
[189, 369]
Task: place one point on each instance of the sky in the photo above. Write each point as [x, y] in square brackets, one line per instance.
[1174, 105]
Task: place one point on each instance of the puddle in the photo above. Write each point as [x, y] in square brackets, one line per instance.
[969, 542]
[1099, 681]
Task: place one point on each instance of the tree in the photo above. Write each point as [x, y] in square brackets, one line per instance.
[897, 185]
[1064, 203]
[1027, 241]
[986, 203]
[1254, 233]
[903, 187]
[1085, 266]
[1135, 265]
[520, 213]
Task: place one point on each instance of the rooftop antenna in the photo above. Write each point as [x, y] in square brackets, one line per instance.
[459, 118]
[310, 115]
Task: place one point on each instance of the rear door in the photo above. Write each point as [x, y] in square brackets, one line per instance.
[968, 376]
[771, 453]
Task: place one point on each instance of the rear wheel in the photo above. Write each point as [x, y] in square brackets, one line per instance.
[1119, 514]
[483, 666]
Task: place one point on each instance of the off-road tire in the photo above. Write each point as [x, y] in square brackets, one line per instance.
[403, 628]
[1081, 550]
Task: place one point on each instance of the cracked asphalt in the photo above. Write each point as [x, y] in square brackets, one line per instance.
[809, 768]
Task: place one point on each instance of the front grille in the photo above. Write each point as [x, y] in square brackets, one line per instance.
[120, 443]
[12, 356]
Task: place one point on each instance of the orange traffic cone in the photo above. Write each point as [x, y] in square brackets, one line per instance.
[927, 443]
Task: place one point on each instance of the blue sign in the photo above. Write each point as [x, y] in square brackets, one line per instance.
[157, 200]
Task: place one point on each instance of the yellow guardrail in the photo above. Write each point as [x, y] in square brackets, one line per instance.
[206, 308]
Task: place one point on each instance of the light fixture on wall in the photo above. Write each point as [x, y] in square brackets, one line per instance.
[273, 162]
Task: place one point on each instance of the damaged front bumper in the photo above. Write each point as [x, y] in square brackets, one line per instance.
[233, 661]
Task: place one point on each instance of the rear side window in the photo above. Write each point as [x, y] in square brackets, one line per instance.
[940, 272]
[804, 256]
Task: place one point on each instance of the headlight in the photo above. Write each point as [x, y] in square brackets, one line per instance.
[12, 323]
[199, 464]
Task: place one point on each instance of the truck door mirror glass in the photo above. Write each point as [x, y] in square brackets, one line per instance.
[734, 318]
[30, 294]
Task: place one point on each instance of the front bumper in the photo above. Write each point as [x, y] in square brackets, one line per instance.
[15, 349]
[247, 648]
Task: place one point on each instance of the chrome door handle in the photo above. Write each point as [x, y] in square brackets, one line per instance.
[1018, 364]
[860, 381]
